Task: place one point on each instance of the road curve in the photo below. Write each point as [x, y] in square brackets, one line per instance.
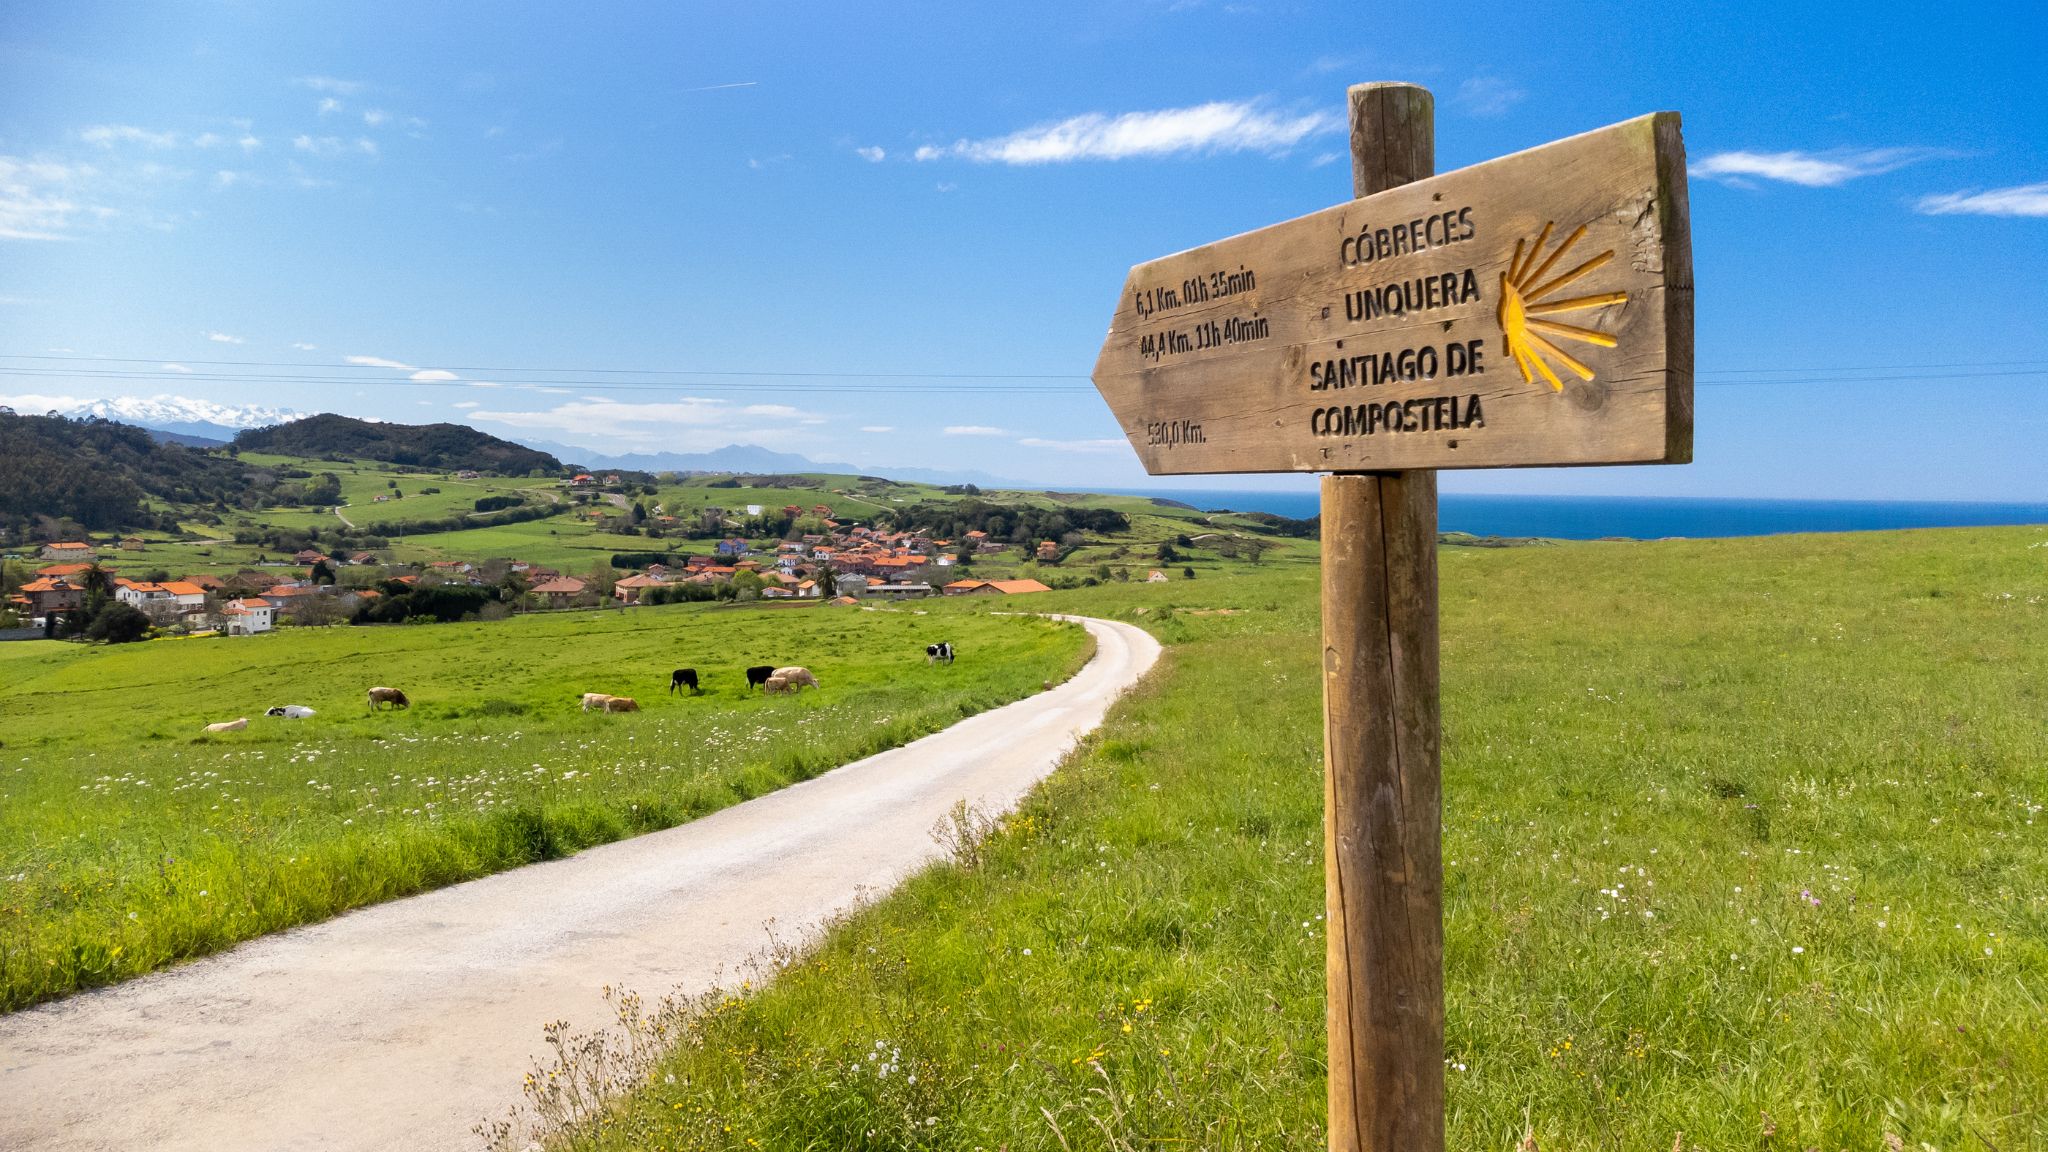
[401, 1025]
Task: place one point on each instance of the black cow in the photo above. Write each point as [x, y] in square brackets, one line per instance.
[683, 678]
[759, 674]
[940, 653]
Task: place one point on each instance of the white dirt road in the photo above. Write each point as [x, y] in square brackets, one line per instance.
[400, 1026]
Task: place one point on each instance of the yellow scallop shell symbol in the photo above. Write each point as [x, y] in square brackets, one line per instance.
[1522, 308]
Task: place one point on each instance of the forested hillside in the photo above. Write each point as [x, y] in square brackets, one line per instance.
[436, 446]
[96, 473]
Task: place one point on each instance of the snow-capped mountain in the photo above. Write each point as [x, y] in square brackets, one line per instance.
[185, 415]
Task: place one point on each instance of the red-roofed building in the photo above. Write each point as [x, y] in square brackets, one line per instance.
[631, 588]
[558, 592]
[249, 615]
[46, 595]
[64, 571]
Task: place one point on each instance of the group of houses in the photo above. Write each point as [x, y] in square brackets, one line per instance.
[841, 565]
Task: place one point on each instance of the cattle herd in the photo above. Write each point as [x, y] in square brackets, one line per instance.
[770, 679]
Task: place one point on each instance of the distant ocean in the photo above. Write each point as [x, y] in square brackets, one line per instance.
[1643, 518]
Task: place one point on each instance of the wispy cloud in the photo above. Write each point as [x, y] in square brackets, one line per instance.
[1487, 97]
[175, 368]
[878, 428]
[723, 87]
[329, 105]
[1074, 445]
[249, 143]
[375, 116]
[691, 422]
[1219, 126]
[377, 362]
[871, 155]
[331, 85]
[973, 430]
[2019, 200]
[108, 135]
[434, 376]
[304, 347]
[207, 140]
[1807, 169]
[40, 198]
[221, 338]
[466, 404]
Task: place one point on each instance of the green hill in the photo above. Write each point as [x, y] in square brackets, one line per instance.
[98, 474]
[435, 446]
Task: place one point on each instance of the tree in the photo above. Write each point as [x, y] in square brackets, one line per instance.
[1187, 573]
[118, 623]
[828, 581]
[1166, 553]
[321, 573]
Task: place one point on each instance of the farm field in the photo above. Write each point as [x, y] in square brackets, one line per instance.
[129, 840]
[1744, 848]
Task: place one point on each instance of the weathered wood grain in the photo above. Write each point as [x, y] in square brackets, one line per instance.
[1216, 355]
[1382, 807]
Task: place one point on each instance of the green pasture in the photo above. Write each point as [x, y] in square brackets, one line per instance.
[1744, 847]
[129, 839]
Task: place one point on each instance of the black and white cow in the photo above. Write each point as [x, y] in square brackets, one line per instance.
[683, 678]
[940, 653]
[759, 674]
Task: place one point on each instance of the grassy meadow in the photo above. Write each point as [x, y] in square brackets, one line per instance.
[1744, 849]
[130, 840]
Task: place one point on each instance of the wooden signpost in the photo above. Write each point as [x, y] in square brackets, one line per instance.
[1533, 310]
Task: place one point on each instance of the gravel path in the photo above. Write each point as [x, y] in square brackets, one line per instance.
[401, 1025]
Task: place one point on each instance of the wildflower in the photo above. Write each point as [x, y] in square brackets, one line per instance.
[1797, 949]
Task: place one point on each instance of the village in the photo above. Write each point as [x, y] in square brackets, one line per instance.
[842, 565]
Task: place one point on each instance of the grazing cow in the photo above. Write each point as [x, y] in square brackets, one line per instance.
[391, 696]
[940, 653]
[759, 674]
[289, 711]
[229, 725]
[791, 679]
[683, 678]
[595, 700]
[621, 704]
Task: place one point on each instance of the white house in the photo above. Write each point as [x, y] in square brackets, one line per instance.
[248, 616]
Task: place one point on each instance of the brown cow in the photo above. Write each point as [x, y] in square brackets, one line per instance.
[791, 679]
[621, 704]
[391, 696]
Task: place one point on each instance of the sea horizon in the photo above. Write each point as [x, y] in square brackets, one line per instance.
[1642, 517]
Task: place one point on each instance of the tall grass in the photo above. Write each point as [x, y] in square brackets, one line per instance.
[1744, 848]
[129, 841]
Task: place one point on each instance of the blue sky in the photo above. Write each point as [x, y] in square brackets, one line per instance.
[561, 218]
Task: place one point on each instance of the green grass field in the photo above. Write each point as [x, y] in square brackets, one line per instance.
[129, 840]
[1744, 841]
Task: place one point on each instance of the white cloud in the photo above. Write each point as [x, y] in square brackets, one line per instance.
[1487, 96]
[221, 338]
[871, 155]
[249, 143]
[228, 178]
[304, 347]
[2019, 200]
[434, 375]
[1806, 169]
[688, 423]
[330, 84]
[1219, 126]
[366, 145]
[377, 362]
[207, 140]
[317, 145]
[329, 105]
[466, 404]
[175, 368]
[108, 135]
[39, 198]
[973, 430]
[1074, 445]
[375, 116]
[877, 428]
[484, 384]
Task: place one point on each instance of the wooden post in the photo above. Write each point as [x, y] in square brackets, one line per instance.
[1382, 794]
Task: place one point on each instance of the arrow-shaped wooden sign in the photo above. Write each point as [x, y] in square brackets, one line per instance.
[1531, 310]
